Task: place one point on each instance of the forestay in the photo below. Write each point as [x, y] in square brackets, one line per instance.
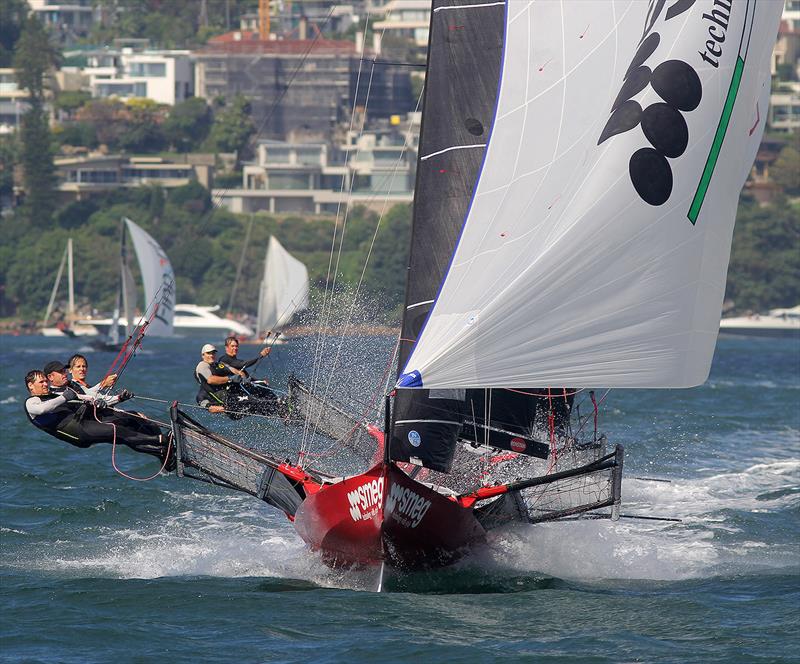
[158, 278]
[596, 245]
[284, 288]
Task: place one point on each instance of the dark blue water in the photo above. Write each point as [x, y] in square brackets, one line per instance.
[97, 568]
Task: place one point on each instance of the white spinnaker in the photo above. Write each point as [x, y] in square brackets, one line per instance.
[284, 288]
[158, 278]
[563, 274]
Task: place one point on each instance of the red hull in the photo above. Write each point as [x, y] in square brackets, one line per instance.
[384, 515]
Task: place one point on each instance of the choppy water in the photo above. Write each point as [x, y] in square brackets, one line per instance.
[97, 568]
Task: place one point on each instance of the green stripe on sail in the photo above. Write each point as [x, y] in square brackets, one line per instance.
[716, 146]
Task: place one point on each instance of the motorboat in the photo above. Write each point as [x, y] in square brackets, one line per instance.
[189, 319]
[776, 323]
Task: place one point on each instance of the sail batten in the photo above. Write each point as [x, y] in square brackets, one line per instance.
[595, 247]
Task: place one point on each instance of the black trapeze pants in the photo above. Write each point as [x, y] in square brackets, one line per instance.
[131, 431]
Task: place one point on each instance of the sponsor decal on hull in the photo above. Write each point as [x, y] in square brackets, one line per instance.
[406, 506]
[365, 501]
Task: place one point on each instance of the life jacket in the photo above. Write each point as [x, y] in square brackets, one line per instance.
[63, 422]
[215, 394]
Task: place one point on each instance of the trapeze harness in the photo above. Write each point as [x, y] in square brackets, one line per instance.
[78, 424]
[213, 395]
[63, 422]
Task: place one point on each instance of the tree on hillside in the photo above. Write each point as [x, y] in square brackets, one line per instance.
[232, 127]
[34, 55]
[764, 270]
[12, 16]
[785, 171]
[143, 129]
[108, 117]
[188, 124]
[8, 156]
[69, 101]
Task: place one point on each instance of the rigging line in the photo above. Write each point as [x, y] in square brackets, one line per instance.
[114, 452]
[367, 259]
[341, 238]
[216, 203]
[240, 265]
[320, 341]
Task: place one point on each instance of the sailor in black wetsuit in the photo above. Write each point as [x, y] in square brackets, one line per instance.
[214, 380]
[70, 417]
[227, 388]
[231, 360]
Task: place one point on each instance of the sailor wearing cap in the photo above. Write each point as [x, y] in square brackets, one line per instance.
[61, 412]
[214, 379]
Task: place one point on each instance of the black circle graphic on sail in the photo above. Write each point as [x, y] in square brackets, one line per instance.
[666, 129]
[651, 176]
[677, 83]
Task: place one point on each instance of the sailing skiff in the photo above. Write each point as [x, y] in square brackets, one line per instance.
[579, 169]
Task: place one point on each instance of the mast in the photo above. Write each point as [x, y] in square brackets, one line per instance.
[70, 282]
[126, 283]
[56, 285]
[461, 85]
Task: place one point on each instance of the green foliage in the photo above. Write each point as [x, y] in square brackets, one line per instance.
[193, 197]
[75, 214]
[12, 15]
[786, 170]
[79, 134]
[34, 56]
[8, 157]
[188, 124]
[70, 101]
[764, 270]
[232, 128]
[108, 118]
[38, 170]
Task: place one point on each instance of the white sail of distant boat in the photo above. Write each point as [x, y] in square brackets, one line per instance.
[158, 279]
[284, 288]
[159, 288]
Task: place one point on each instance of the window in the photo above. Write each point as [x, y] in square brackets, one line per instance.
[111, 89]
[150, 69]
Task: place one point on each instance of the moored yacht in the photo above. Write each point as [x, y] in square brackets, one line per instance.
[777, 323]
[189, 318]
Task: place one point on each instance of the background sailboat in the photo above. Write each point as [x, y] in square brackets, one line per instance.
[66, 326]
[283, 291]
[158, 281]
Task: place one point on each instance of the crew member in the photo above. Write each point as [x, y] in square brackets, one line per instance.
[229, 359]
[71, 417]
[214, 379]
[78, 369]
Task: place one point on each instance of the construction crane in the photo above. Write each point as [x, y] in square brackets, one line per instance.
[263, 19]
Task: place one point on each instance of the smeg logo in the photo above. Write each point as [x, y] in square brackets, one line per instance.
[663, 125]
